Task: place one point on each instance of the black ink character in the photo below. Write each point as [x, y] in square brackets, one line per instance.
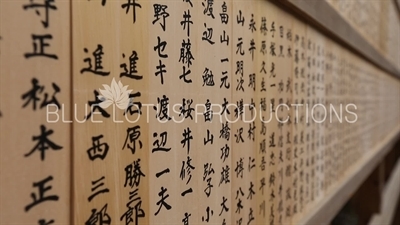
[208, 77]
[252, 25]
[43, 143]
[96, 106]
[186, 108]
[187, 136]
[186, 22]
[187, 170]
[39, 45]
[95, 186]
[224, 38]
[37, 199]
[239, 168]
[224, 15]
[239, 205]
[162, 202]
[223, 205]
[159, 145]
[160, 11]
[225, 131]
[184, 74]
[224, 175]
[263, 27]
[207, 35]
[134, 210]
[207, 218]
[252, 83]
[252, 48]
[47, 5]
[32, 94]
[98, 67]
[160, 70]
[239, 46]
[162, 108]
[99, 217]
[208, 10]
[132, 72]
[210, 138]
[186, 54]
[133, 134]
[128, 6]
[133, 173]
[240, 18]
[224, 152]
[98, 150]
[208, 113]
[185, 220]
[189, 1]
[263, 70]
[43, 222]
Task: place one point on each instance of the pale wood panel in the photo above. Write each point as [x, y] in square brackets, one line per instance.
[35, 149]
[325, 17]
[261, 69]
[167, 88]
[299, 121]
[110, 161]
[272, 124]
[214, 60]
[132, 140]
[284, 65]
[243, 141]
[143, 168]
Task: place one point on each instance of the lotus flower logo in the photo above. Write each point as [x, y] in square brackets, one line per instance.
[116, 94]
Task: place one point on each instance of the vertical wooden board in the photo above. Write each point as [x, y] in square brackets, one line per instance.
[34, 95]
[284, 65]
[299, 118]
[316, 110]
[311, 62]
[328, 123]
[90, 34]
[336, 68]
[243, 127]
[375, 95]
[322, 114]
[226, 71]
[253, 47]
[207, 125]
[346, 86]
[353, 136]
[343, 89]
[364, 99]
[132, 135]
[272, 184]
[375, 115]
[384, 27]
[310, 126]
[332, 85]
[110, 162]
[213, 39]
[214, 81]
[165, 134]
[362, 121]
[343, 100]
[204, 79]
[261, 70]
[362, 93]
[393, 20]
[383, 107]
[193, 34]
